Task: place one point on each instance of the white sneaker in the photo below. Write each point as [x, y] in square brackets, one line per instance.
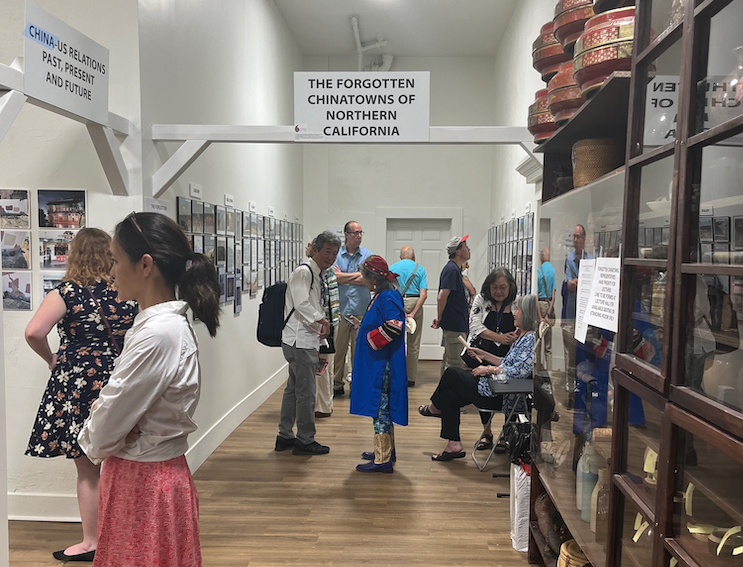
[348, 377]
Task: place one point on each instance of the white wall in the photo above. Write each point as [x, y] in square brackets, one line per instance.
[344, 182]
[225, 63]
[515, 81]
[44, 150]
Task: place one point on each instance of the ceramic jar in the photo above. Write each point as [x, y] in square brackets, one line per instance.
[547, 53]
[570, 18]
[564, 95]
[604, 46]
[541, 122]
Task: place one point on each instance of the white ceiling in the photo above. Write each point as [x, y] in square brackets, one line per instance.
[453, 28]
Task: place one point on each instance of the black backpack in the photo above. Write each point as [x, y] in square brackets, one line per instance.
[271, 321]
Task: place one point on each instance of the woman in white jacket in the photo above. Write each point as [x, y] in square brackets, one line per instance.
[139, 426]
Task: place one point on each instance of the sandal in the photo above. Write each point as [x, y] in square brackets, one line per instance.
[501, 447]
[444, 456]
[426, 412]
[486, 442]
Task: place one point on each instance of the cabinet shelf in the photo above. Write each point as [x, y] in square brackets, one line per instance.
[580, 530]
[717, 487]
[541, 544]
[603, 116]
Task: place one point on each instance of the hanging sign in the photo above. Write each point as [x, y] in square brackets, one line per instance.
[63, 67]
[369, 107]
[722, 103]
[602, 310]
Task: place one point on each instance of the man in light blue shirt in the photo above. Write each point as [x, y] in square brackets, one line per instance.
[414, 289]
[355, 298]
[572, 267]
[546, 292]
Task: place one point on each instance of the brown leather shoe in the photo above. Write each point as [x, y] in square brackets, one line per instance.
[319, 414]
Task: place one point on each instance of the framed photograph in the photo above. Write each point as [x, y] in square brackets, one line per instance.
[721, 226]
[198, 243]
[49, 282]
[705, 229]
[736, 293]
[14, 209]
[705, 253]
[253, 283]
[210, 247]
[221, 219]
[230, 288]
[238, 291]
[17, 291]
[522, 227]
[641, 238]
[16, 249]
[254, 254]
[197, 217]
[665, 234]
[239, 223]
[230, 255]
[657, 235]
[210, 223]
[184, 213]
[229, 222]
[246, 278]
[262, 226]
[246, 225]
[245, 258]
[222, 274]
[721, 253]
[221, 251]
[62, 208]
[737, 233]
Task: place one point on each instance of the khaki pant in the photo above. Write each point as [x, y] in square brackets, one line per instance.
[452, 350]
[547, 338]
[324, 398]
[569, 345]
[344, 335]
[413, 341]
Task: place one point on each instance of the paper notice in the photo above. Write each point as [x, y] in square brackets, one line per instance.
[603, 301]
[585, 282]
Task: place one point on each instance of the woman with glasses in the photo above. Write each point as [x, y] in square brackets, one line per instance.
[139, 426]
[458, 388]
[492, 328]
[91, 321]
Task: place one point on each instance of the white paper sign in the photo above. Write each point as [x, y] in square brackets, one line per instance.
[585, 281]
[362, 107]
[603, 302]
[152, 205]
[64, 67]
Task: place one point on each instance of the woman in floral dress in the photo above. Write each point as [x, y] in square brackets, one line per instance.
[80, 368]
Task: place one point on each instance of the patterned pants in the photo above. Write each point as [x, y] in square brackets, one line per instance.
[384, 429]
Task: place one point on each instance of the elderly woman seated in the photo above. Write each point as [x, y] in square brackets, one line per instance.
[458, 387]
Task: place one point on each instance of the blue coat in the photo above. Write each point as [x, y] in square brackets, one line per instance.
[369, 364]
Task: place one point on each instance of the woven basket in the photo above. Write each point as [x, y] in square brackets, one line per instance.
[595, 157]
[571, 555]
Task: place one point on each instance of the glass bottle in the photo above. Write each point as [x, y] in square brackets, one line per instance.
[602, 481]
[602, 513]
[588, 468]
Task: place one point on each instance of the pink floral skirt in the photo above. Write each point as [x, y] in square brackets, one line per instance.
[148, 515]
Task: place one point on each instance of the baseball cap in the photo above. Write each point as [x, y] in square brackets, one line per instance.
[454, 243]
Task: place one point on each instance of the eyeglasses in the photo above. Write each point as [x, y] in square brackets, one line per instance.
[579, 235]
[356, 232]
[133, 218]
[501, 287]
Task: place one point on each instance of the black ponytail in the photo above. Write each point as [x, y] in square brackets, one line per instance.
[199, 287]
[193, 274]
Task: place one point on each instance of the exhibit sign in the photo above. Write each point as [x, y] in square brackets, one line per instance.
[585, 281]
[372, 107]
[603, 302]
[63, 67]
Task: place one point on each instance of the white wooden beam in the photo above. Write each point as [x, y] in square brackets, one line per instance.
[11, 103]
[221, 133]
[108, 149]
[10, 79]
[491, 135]
[176, 165]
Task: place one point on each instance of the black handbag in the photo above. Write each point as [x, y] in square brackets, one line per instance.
[330, 349]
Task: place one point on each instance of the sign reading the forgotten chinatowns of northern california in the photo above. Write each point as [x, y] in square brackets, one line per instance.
[373, 107]
[63, 67]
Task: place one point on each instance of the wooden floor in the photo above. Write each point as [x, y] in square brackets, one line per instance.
[259, 507]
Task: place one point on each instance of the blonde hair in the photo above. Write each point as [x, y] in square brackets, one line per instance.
[89, 259]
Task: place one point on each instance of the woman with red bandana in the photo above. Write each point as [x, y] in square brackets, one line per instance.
[380, 378]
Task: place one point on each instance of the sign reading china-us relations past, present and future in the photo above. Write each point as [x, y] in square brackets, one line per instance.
[371, 106]
[64, 67]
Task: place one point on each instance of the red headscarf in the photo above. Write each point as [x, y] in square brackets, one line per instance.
[377, 265]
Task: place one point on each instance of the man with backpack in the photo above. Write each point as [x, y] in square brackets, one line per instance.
[306, 325]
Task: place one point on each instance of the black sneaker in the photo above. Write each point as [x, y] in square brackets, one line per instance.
[313, 448]
[339, 392]
[282, 444]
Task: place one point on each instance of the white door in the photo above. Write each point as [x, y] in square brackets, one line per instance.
[428, 237]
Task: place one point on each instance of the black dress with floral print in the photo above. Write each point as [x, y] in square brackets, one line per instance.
[84, 361]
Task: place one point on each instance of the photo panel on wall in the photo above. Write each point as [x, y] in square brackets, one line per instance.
[16, 291]
[197, 217]
[62, 208]
[16, 249]
[184, 213]
[15, 211]
[210, 226]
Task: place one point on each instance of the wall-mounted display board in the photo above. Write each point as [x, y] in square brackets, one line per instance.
[511, 246]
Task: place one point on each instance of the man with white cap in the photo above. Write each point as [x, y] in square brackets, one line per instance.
[452, 310]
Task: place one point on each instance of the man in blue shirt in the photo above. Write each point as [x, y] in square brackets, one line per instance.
[572, 267]
[355, 298]
[451, 304]
[547, 291]
[414, 289]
